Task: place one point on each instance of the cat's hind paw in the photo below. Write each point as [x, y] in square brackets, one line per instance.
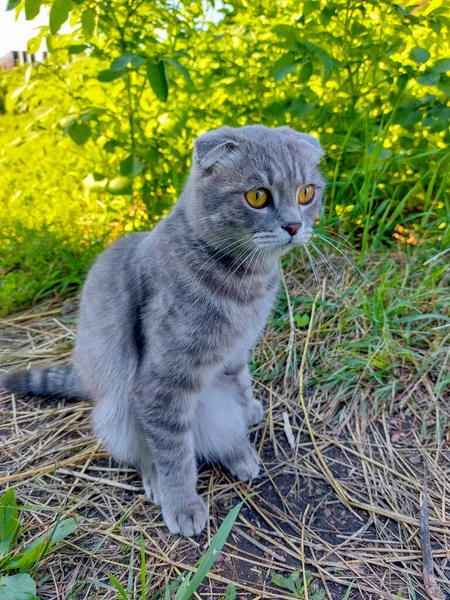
[244, 463]
[255, 412]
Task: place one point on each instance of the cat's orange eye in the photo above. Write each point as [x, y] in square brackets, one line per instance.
[257, 198]
[306, 194]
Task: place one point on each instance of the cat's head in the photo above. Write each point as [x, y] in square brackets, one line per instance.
[256, 185]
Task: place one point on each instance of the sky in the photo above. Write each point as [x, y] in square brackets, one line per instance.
[15, 34]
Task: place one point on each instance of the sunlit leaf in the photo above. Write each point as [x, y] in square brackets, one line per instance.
[59, 13]
[32, 8]
[88, 22]
[94, 182]
[34, 44]
[120, 185]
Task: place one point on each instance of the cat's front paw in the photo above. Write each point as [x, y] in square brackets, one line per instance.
[188, 519]
[244, 463]
[255, 412]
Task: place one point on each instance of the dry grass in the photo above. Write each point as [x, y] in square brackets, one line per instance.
[342, 462]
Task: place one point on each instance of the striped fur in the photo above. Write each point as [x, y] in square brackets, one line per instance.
[168, 319]
[58, 381]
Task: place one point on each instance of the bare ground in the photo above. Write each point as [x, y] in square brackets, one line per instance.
[342, 476]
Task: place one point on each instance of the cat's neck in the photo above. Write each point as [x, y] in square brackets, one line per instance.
[237, 257]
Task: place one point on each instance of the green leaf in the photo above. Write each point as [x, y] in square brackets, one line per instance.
[118, 586]
[31, 555]
[419, 55]
[107, 75]
[305, 73]
[310, 6]
[156, 73]
[41, 545]
[131, 166]
[444, 84]
[9, 522]
[120, 185]
[300, 107]
[88, 22]
[59, 13]
[17, 587]
[32, 8]
[441, 66]
[110, 146]
[34, 44]
[11, 4]
[180, 67]
[284, 65]
[284, 582]
[231, 592]
[211, 554]
[429, 78]
[126, 59]
[301, 320]
[79, 132]
[76, 48]
[288, 32]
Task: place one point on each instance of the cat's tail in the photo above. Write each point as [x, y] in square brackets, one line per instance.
[59, 381]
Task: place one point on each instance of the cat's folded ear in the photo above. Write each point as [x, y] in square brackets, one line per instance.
[218, 145]
[312, 144]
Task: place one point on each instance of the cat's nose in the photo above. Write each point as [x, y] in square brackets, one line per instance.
[292, 228]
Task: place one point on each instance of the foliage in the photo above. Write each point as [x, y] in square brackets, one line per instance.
[296, 583]
[121, 98]
[27, 558]
[108, 120]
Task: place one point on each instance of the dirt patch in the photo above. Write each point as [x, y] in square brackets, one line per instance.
[340, 499]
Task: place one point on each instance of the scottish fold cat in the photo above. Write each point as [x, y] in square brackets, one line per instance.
[168, 318]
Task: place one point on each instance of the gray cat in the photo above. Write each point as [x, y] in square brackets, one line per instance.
[168, 318]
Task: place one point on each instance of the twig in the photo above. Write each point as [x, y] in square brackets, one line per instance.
[431, 585]
[117, 484]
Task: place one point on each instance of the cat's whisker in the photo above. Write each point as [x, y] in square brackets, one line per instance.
[247, 256]
[313, 264]
[258, 256]
[337, 278]
[344, 244]
[233, 246]
[349, 262]
[254, 258]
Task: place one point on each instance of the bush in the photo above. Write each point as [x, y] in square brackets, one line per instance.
[102, 131]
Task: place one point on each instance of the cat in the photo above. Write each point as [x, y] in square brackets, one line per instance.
[168, 318]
